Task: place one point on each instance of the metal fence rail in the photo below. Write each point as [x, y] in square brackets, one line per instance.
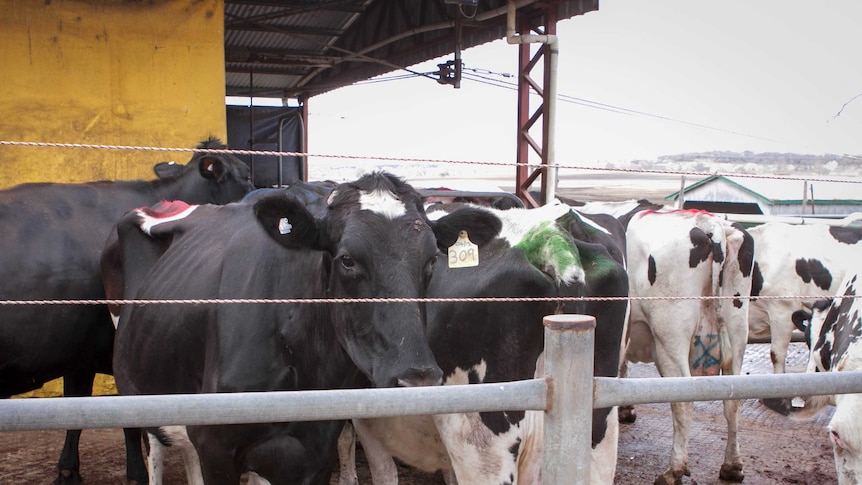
[567, 395]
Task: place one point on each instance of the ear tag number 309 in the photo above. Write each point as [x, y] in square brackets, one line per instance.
[463, 254]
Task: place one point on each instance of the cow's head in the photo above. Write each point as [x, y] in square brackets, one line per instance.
[382, 246]
[209, 178]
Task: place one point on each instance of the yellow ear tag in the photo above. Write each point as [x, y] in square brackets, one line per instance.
[463, 254]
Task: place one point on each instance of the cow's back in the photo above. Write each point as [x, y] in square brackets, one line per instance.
[224, 254]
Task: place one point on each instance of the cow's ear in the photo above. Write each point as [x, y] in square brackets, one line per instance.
[481, 226]
[211, 168]
[287, 221]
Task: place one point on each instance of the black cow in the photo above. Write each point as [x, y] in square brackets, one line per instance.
[547, 252]
[52, 239]
[374, 241]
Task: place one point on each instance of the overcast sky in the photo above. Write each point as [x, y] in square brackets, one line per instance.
[671, 76]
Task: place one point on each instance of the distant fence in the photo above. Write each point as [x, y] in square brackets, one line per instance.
[567, 394]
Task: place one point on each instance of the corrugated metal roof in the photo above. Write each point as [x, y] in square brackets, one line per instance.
[299, 48]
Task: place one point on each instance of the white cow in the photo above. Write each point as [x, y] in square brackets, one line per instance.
[795, 260]
[690, 254]
[834, 333]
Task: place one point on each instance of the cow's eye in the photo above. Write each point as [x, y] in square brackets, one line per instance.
[347, 261]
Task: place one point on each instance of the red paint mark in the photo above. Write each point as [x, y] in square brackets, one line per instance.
[165, 208]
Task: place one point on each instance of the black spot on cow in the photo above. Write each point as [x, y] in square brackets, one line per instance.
[736, 301]
[746, 251]
[756, 281]
[501, 422]
[844, 324]
[701, 247]
[651, 270]
[473, 377]
[846, 235]
[721, 277]
[812, 270]
[717, 253]
[515, 449]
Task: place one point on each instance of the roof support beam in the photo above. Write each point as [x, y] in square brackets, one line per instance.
[524, 177]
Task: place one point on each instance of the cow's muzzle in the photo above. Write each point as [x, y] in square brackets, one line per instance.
[423, 376]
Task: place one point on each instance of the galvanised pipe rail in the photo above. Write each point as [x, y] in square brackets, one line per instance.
[265, 407]
[620, 392]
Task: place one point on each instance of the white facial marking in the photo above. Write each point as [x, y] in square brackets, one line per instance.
[149, 222]
[382, 202]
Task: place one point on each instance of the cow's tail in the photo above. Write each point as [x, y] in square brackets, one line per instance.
[811, 406]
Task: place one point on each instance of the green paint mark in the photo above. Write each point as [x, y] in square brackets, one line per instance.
[597, 265]
[549, 249]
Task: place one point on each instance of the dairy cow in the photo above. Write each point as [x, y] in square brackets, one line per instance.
[833, 330]
[52, 238]
[795, 260]
[547, 252]
[374, 241]
[690, 254]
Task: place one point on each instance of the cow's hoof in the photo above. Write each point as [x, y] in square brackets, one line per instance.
[68, 477]
[627, 414]
[672, 477]
[731, 472]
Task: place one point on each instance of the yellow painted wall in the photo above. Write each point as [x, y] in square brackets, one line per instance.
[108, 72]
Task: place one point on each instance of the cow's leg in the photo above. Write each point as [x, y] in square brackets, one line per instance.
[347, 456]
[192, 464]
[75, 384]
[671, 359]
[736, 334]
[136, 470]
[178, 438]
[781, 333]
[69, 465]
[603, 458]
[626, 413]
[217, 461]
[155, 459]
[380, 461]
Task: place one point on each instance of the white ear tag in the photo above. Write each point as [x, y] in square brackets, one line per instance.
[463, 254]
[284, 226]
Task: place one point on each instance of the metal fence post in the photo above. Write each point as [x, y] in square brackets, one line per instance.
[569, 341]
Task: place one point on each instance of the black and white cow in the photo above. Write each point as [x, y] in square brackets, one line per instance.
[547, 252]
[622, 210]
[52, 238]
[796, 260]
[833, 330]
[690, 254]
[373, 242]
